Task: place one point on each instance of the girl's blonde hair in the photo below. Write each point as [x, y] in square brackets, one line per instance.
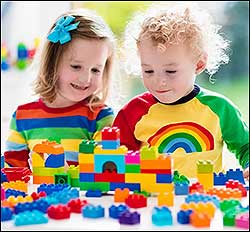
[91, 26]
[174, 23]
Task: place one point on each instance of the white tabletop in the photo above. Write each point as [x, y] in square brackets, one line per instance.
[78, 222]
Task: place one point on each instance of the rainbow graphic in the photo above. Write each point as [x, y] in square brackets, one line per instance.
[189, 136]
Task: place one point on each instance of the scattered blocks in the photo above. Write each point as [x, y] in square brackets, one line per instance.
[6, 214]
[91, 211]
[183, 216]
[76, 205]
[121, 194]
[30, 218]
[181, 188]
[129, 218]
[242, 220]
[162, 216]
[136, 201]
[59, 212]
[116, 211]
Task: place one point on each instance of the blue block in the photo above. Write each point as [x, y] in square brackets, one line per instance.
[236, 175]
[91, 211]
[87, 177]
[6, 214]
[181, 189]
[93, 193]
[130, 186]
[50, 188]
[197, 197]
[15, 193]
[30, 218]
[163, 178]
[40, 205]
[2, 161]
[3, 177]
[115, 211]
[183, 216]
[110, 144]
[162, 216]
[55, 161]
[220, 179]
[118, 160]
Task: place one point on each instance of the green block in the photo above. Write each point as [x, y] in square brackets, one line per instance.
[102, 186]
[87, 146]
[132, 168]
[44, 171]
[228, 204]
[148, 153]
[146, 194]
[62, 178]
[21, 64]
[73, 171]
[205, 166]
[75, 182]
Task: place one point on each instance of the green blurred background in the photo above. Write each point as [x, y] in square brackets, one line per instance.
[232, 79]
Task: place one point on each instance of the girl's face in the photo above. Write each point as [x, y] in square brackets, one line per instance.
[80, 71]
[170, 74]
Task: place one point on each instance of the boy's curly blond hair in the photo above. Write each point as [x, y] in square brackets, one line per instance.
[173, 23]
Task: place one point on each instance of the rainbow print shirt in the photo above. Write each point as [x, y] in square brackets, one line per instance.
[195, 127]
[34, 122]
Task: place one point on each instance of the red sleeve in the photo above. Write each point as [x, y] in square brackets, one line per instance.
[17, 158]
[129, 116]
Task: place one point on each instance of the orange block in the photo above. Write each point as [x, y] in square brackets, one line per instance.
[43, 179]
[166, 199]
[85, 167]
[200, 219]
[121, 194]
[162, 162]
[49, 148]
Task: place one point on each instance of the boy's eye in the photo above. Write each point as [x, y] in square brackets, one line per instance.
[149, 71]
[171, 72]
[76, 66]
[95, 70]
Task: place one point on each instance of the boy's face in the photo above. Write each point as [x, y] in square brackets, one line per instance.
[168, 74]
[80, 70]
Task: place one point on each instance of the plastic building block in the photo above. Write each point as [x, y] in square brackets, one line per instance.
[17, 185]
[110, 133]
[136, 201]
[162, 216]
[40, 205]
[43, 179]
[50, 188]
[220, 178]
[59, 212]
[235, 184]
[110, 144]
[129, 218]
[130, 186]
[37, 196]
[206, 179]
[121, 194]
[205, 166]
[17, 173]
[3, 177]
[55, 161]
[30, 218]
[15, 193]
[91, 211]
[62, 179]
[3, 196]
[225, 193]
[102, 186]
[236, 175]
[111, 176]
[163, 178]
[2, 161]
[6, 214]
[165, 198]
[87, 146]
[197, 197]
[73, 171]
[228, 204]
[229, 218]
[148, 153]
[177, 178]
[132, 157]
[116, 211]
[132, 168]
[93, 193]
[49, 147]
[181, 188]
[242, 220]
[76, 205]
[183, 216]
[196, 187]
[200, 219]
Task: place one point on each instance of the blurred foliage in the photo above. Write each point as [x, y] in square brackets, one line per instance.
[115, 13]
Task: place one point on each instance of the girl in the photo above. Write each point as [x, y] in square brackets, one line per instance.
[72, 84]
[174, 45]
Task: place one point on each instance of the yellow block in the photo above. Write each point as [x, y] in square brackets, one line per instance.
[37, 160]
[206, 179]
[132, 177]
[166, 199]
[157, 188]
[85, 158]
[121, 150]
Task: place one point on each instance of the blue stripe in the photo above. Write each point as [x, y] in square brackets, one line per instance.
[105, 112]
[70, 121]
[10, 146]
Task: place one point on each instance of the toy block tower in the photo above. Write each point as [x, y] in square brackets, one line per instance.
[205, 174]
[48, 159]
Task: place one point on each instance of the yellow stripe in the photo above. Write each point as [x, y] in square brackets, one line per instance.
[16, 137]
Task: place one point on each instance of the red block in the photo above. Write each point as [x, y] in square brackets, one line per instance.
[109, 177]
[136, 201]
[196, 187]
[76, 205]
[110, 133]
[17, 173]
[58, 212]
[157, 171]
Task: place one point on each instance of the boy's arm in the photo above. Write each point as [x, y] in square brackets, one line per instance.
[17, 152]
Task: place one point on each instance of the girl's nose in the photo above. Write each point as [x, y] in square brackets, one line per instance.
[85, 77]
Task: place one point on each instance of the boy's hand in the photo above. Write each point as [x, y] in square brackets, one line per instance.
[246, 173]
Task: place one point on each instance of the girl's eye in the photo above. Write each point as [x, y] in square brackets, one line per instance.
[95, 70]
[149, 71]
[76, 66]
[171, 72]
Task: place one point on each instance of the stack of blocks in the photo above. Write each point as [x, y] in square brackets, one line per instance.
[205, 174]
[47, 160]
[108, 166]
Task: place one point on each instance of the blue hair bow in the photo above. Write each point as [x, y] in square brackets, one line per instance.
[61, 31]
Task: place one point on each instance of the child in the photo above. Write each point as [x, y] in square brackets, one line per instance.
[72, 83]
[176, 115]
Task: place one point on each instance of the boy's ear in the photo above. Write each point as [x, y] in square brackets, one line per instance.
[201, 64]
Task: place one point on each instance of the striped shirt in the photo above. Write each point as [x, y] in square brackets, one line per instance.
[34, 122]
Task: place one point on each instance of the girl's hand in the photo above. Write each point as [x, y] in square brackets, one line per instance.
[246, 173]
